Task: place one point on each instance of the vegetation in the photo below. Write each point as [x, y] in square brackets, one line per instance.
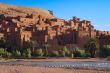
[91, 50]
[105, 51]
[27, 53]
[38, 53]
[4, 53]
[77, 52]
[34, 44]
[66, 51]
[62, 54]
[92, 46]
[46, 45]
[81, 53]
[16, 53]
[87, 55]
[54, 54]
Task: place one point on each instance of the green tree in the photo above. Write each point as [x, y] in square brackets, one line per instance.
[92, 46]
[46, 45]
[105, 51]
[34, 44]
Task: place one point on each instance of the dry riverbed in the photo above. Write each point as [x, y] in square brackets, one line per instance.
[31, 69]
[35, 69]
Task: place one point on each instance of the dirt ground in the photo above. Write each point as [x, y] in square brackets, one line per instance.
[66, 59]
[30, 69]
[33, 69]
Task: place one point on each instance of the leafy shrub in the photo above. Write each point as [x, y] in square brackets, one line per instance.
[62, 54]
[24, 54]
[54, 54]
[7, 54]
[16, 53]
[78, 53]
[4, 53]
[66, 51]
[105, 51]
[38, 53]
[87, 55]
[27, 53]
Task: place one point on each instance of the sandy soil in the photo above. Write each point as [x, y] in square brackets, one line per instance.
[30, 69]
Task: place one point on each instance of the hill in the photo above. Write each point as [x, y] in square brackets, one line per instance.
[11, 10]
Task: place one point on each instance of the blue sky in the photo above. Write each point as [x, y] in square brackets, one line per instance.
[97, 11]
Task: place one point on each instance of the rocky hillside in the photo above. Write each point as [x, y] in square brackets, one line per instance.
[13, 11]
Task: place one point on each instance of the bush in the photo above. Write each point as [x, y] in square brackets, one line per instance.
[24, 54]
[79, 53]
[62, 54]
[7, 54]
[87, 55]
[54, 54]
[27, 53]
[4, 53]
[38, 53]
[105, 51]
[16, 53]
[66, 52]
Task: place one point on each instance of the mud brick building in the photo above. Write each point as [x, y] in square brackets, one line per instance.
[21, 25]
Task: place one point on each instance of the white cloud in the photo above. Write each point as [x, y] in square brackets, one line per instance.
[102, 27]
